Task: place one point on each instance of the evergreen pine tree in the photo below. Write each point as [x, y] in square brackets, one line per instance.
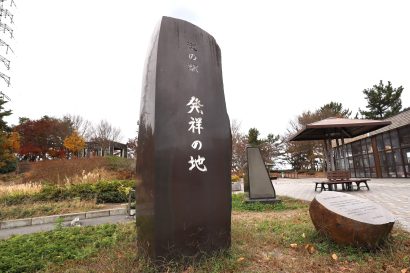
[382, 101]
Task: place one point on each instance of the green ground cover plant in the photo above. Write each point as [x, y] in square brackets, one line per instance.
[30, 253]
[239, 204]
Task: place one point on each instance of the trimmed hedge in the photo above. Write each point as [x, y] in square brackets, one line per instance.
[115, 191]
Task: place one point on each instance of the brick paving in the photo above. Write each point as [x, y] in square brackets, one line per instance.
[393, 194]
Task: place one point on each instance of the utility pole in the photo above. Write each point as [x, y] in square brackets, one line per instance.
[6, 37]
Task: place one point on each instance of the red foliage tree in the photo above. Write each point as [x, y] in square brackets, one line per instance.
[43, 138]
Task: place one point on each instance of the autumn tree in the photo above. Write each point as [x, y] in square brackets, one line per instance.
[105, 134]
[302, 155]
[8, 160]
[82, 126]
[382, 101]
[14, 141]
[74, 143]
[309, 155]
[43, 138]
[239, 142]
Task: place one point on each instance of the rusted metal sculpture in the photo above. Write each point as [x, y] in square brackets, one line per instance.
[350, 220]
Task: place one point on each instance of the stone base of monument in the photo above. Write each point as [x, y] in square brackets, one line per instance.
[350, 220]
[262, 200]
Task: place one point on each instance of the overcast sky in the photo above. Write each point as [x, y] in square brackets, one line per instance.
[279, 58]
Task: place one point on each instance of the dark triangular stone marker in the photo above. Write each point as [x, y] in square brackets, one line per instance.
[258, 184]
[184, 153]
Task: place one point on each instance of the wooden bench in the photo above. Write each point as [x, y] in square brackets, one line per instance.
[341, 177]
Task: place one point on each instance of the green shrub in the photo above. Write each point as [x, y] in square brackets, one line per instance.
[51, 193]
[109, 192]
[84, 191]
[10, 166]
[116, 163]
[104, 192]
[15, 199]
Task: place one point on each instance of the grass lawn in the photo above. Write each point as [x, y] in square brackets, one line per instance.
[264, 239]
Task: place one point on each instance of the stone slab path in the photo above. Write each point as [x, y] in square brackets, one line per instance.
[393, 194]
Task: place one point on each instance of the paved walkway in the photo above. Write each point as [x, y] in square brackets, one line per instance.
[6, 233]
[393, 194]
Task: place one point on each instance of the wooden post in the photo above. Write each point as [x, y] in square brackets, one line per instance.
[338, 152]
[344, 154]
[376, 157]
[326, 155]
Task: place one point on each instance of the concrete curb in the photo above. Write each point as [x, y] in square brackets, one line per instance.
[66, 217]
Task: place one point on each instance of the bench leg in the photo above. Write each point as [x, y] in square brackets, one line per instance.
[365, 182]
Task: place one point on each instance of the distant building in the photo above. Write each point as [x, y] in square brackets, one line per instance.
[113, 148]
[381, 153]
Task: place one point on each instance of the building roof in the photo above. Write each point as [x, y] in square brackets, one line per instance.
[397, 121]
[335, 128]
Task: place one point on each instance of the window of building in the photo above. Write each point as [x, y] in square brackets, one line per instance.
[394, 139]
[379, 141]
[371, 160]
[369, 145]
[404, 136]
[386, 141]
[406, 156]
[364, 146]
[356, 148]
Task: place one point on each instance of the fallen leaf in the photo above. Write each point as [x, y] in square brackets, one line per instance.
[404, 270]
[310, 248]
[293, 245]
[240, 259]
[334, 256]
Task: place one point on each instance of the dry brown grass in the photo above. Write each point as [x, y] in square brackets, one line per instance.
[14, 189]
[58, 171]
[72, 171]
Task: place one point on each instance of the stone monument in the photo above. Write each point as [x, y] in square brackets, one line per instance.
[350, 220]
[183, 193]
[258, 185]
